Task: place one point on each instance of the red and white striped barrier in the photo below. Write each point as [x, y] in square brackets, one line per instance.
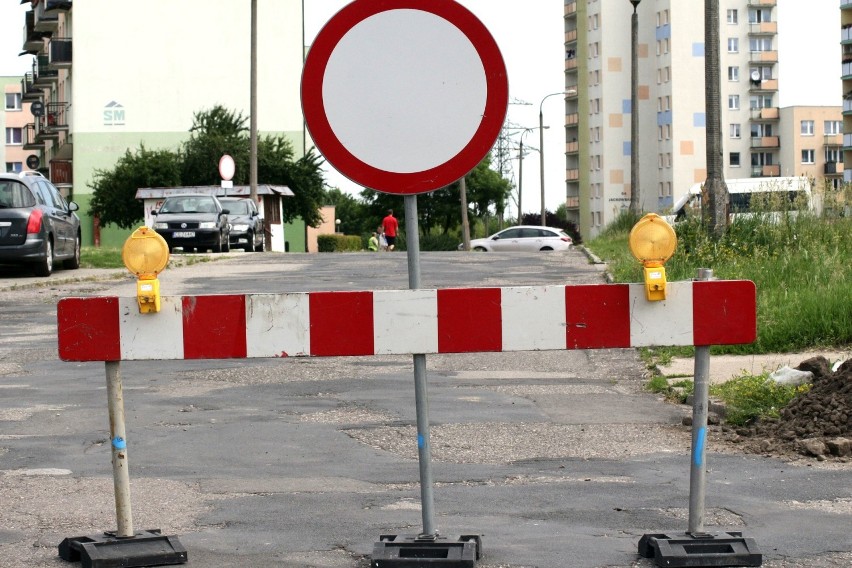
[385, 322]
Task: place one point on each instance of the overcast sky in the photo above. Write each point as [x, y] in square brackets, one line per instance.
[531, 38]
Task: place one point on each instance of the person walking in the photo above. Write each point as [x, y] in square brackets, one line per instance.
[390, 226]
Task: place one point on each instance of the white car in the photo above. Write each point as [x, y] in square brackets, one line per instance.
[523, 238]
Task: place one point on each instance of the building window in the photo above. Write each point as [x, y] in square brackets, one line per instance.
[757, 16]
[833, 155]
[14, 136]
[13, 101]
[833, 127]
[757, 44]
[807, 156]
[733, 17]
[733, 73]
[735, 130]
[14, 167]
[733, 45]
[807, 128]
[734, 159]
[734, 102]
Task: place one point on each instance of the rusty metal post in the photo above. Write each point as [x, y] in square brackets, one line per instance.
[118, 443]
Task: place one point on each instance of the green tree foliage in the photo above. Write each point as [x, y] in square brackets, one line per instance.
[351, 212]
[114, 200]
[213, 133]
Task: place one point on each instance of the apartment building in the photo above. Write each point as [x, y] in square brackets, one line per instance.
[111, 76]
[672, 117]
[846, 73]
[13, 121]
[813, 143]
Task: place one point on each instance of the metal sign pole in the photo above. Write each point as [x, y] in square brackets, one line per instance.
[118, 442]
[701, 400]
[421, 396]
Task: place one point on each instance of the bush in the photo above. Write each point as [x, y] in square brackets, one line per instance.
[751, 397]
[339, 243]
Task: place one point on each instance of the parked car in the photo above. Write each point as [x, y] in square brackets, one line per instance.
[246, 224]
[523, 238]
[37, 226]
[193, 222]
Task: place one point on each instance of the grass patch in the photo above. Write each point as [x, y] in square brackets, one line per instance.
[106, 257]
[752, 397]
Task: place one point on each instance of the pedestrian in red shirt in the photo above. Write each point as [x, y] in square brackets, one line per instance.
[390, 225]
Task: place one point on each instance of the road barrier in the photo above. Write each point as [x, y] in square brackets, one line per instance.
[393, 322]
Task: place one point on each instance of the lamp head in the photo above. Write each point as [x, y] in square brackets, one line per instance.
[635, 4]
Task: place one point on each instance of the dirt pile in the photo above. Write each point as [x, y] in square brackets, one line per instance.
[816, 423]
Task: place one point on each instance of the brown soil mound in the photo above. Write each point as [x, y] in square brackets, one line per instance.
[816, 423]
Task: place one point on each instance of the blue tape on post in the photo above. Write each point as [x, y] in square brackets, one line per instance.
[420, 440]
[119, 443]
[698, 455]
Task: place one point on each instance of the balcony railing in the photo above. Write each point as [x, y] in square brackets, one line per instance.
[61, 173]
[44, 75]
[56, 117]
[570, 63]
[572, 202]
[33, 40]
[31, 139]
[847, 69]
[572, 147]
[769, 56]
[570, 8]
[29, 91]
[830, 168]
[762, 3]
[763, 28]
[846, 31]
[773, 170]
[571, 36]
[571, 91]
[60, 52]
[764, 85]
[45, 22]
[572, 175]
[766, 113]
[847, 104]
[832, 140]
[765, 142]
[847, 141]
[57, 5]
[572, 119]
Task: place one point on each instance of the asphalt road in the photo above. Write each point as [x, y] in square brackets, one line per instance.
[558, 459]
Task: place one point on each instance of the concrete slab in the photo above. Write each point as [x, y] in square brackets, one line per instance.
[725, 367]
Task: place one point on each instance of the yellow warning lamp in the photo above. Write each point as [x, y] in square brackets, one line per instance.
[653, 241]
[145, 254]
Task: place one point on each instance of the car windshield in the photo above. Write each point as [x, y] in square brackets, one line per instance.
[193, 204]
[239, 207]
[15, 194]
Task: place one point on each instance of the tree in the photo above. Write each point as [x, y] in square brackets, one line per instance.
[114, 199]
[351, 212]
[215, 132]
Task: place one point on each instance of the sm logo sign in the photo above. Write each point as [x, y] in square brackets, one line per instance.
[113, 114]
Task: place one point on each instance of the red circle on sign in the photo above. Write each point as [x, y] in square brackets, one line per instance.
[365, 174]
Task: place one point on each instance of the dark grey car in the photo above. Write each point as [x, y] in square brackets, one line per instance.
[37, 226]
[193, 222]
[246, 224]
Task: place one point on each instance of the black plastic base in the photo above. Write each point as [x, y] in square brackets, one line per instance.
[398, 551]
[700, 549]
[145, 548]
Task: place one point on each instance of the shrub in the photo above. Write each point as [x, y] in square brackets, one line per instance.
[338, 243]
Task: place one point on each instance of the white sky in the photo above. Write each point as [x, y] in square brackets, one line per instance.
[531, 37]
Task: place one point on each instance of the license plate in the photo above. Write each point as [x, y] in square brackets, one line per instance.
[183, 234]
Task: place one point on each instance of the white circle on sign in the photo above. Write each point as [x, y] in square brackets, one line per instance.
[227, 168]
[400, 93]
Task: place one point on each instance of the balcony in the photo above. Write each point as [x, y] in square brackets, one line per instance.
[766, 113]
[33, 40]
[59, 50]
[44, 75]
[832, 140]
[762, 3]
[572, 119]
[763, 85]
[846, 32]
[572, 147]
[31, 139]
[847, 141]
[570, 63]
[56, 117]
[570, 8]
[765, 142]
[43, 131]
[832, 169]
[45, 22]
[847, 70]
[770, 56]
[62, 173]
[571, 91]
[571, 36]
[572, 202]
[29, 91]
[53, 6]
[763, 28]
[572, 175]
[772, 170]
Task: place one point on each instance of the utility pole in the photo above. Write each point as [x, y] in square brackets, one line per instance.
[465, 221]
[253, 105]
[634, 111]
[715, 190]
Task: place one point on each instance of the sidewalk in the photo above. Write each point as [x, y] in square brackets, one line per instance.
[726, 367]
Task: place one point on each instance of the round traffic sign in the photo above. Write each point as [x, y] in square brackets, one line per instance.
[33, 162]
[37, 108]
[404, 96]
[227, 168]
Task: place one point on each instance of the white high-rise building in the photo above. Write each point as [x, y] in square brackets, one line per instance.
[672, 116]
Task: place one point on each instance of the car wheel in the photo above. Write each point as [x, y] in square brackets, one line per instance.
[74, 263]
[45, 266]
[249, 246]
[545, 249]
[262, 246]
[480, 249]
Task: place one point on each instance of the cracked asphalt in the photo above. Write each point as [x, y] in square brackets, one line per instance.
[557, 458]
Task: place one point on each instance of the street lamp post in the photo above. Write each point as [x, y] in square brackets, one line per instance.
[524, 132]
[541, 150]
[634, 110]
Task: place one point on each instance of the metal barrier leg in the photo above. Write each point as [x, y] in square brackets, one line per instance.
[124, 547]
[428, 547]
[697, 547]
